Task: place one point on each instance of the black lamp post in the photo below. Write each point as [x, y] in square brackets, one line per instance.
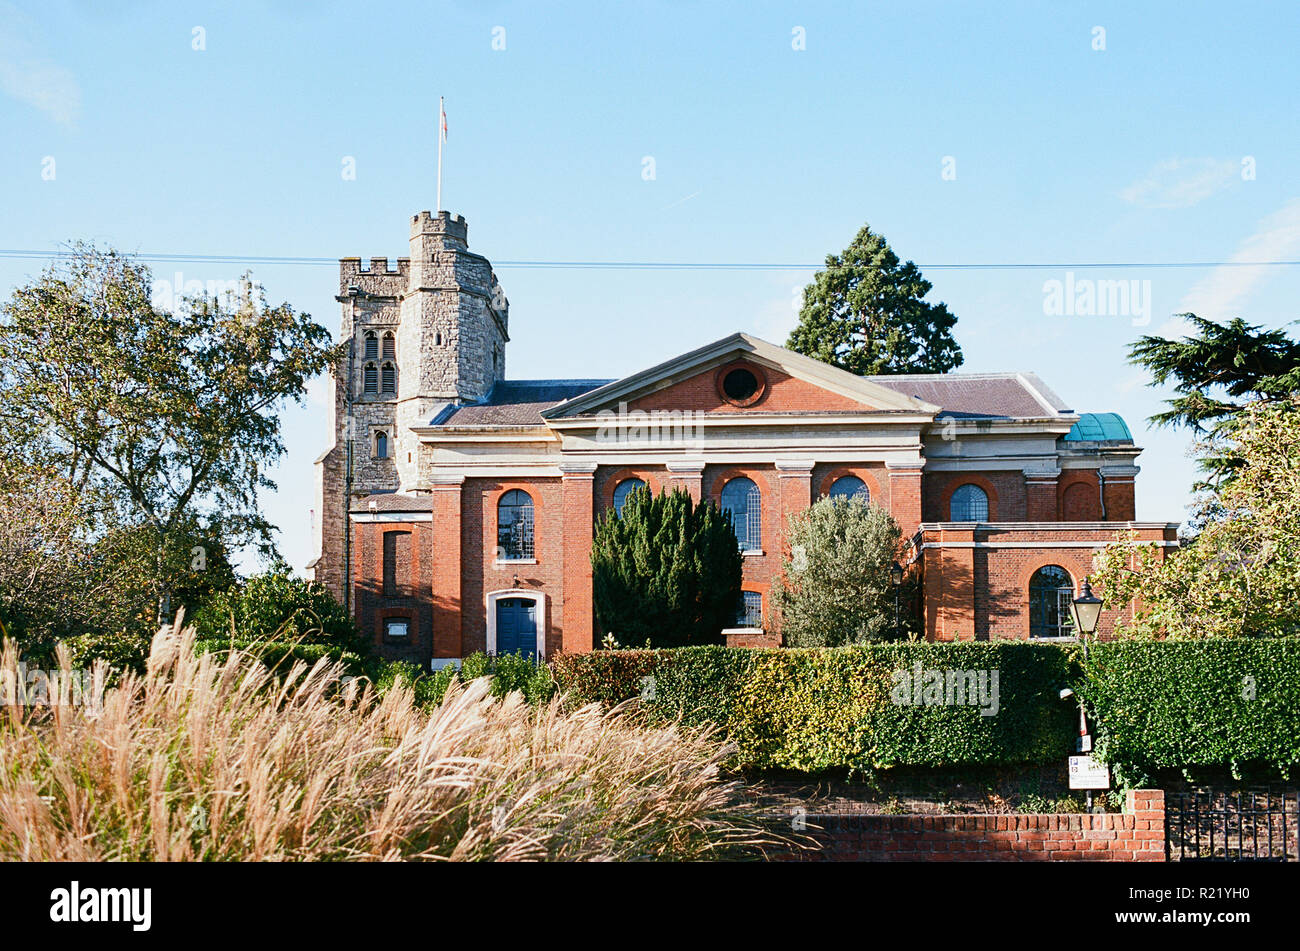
[1087, 611]
[896, 576]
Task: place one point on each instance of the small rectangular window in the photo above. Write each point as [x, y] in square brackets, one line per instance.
[396, 627]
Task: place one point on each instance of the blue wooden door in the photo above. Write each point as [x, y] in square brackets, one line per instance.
[517, 626]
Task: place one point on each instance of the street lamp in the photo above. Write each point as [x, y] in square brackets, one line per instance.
[896, 576]
[1087, 611]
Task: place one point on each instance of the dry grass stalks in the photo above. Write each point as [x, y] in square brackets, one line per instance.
[218, 759]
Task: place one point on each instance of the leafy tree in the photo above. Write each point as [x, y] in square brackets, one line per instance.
[277, 606]
[1216, 372]
[1239, 577]
[865, 313]
[835, 587]
[666, 570]
[171, 415]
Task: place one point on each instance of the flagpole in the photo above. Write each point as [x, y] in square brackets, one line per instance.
[439, 134]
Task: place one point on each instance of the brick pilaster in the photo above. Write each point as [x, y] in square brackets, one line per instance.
[688, 476]
[795, 479]
[1118, 492]
[579, 516]
[448, 607]
[1040, 496]
[905, 497]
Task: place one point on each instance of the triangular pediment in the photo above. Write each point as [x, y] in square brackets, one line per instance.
[791, 383]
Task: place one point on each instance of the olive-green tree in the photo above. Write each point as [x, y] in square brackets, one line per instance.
[835, 587]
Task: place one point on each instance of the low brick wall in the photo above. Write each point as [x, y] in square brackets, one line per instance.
[1136, 835]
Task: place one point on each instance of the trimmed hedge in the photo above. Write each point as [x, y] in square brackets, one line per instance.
[282, 654]
[1212, 703]
[820, 709]
[509, 673]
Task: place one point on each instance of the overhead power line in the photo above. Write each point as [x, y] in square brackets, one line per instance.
[169, 257]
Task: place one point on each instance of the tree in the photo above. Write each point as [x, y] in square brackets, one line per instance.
[835, 587]
[665, 570]
[1216, 372]
[171, 415]
[1240, 575]
[865, 313]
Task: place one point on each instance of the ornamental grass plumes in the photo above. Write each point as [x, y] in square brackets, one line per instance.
[207, 758]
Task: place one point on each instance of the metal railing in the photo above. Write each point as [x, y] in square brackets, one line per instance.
[1241, 825]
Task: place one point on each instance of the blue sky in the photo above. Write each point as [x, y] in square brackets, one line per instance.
[1177, 142]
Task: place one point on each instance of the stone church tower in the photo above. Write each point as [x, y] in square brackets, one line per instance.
[428, 333]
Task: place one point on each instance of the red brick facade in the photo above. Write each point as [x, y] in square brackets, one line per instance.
[413, 535]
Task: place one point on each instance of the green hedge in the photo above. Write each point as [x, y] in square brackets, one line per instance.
[1213, 703]
[282, 654]
[509, 673]
[821, 709]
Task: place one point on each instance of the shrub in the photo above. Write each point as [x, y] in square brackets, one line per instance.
[219, 759]
[822, 709]
[666, 570]
[276, 606]
[506, 673]
[1215, 703]
[835, 586]
[280, 655]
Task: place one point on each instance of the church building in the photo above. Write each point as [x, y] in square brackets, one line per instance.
[456, 506]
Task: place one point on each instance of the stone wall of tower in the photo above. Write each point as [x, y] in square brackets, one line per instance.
[449, 319]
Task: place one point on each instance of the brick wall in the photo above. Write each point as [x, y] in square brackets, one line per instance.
[406, 594]
[782, 394]
[1136, 835]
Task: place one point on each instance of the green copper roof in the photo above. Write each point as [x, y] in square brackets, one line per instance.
[1099, 427]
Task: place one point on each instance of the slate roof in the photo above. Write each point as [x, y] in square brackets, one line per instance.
[394, 502]
[516, 403]
[980, 395]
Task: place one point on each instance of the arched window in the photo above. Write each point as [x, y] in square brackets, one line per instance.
[381, 445]
[389, 375]
[741, 498]
[969, 503]
[623, 490]
[515, 526]
[749, 612]
[1050, 594]
[390, 346]
[849, 487]
[372, 345]
[371, 378]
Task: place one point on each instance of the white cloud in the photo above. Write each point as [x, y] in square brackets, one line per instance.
[32, 78]
[1181, 182]
[1225, 291]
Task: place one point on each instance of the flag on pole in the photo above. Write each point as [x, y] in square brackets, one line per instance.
[442, 137]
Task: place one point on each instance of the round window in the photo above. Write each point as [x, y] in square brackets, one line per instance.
[740, 385]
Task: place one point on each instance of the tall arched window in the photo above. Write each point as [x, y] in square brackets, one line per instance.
[515, 526]
[741, 498]
[371, 375]
[849, 487]
[1050, 594]
[969, 503]
[390, 346]
[372, 345]
[389, 377]
[623, 490]
[381, 445]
